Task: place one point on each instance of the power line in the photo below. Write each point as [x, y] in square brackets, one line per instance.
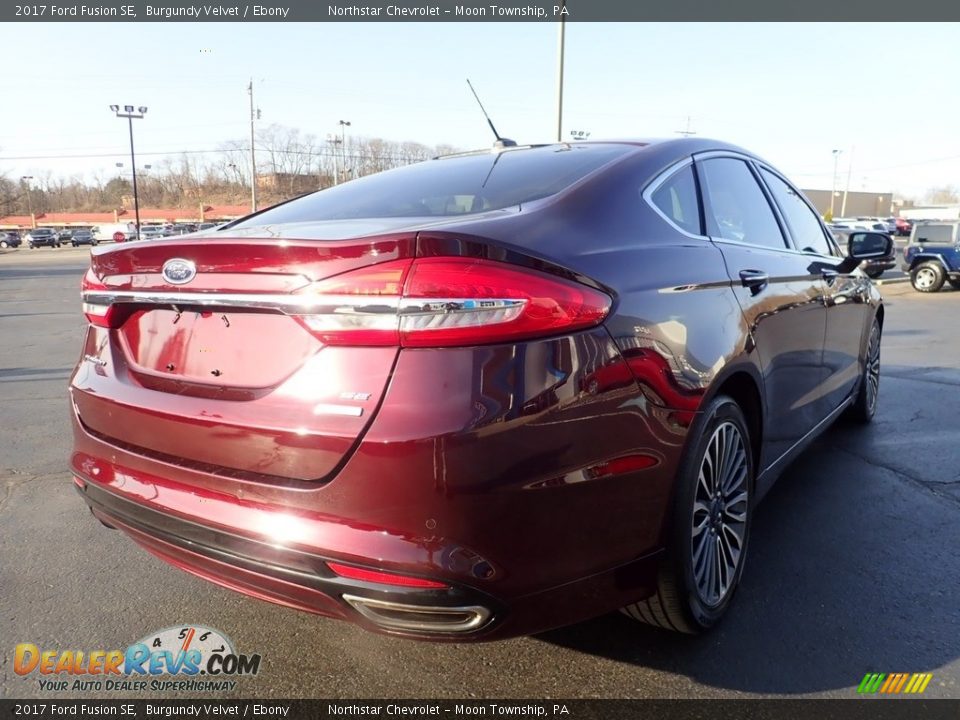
[428, 152]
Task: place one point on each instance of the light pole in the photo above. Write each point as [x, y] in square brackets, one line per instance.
[254, 115]
[846, 190]
[344, 124]
[560, 48]
[334, 141]
[130, 114]
[833, 189]
[26, 180]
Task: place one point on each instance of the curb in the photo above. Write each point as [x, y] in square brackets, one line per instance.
[891, 281]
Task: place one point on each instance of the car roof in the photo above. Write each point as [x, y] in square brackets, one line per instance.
[682, 146]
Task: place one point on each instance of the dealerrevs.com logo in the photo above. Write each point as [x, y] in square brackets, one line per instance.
[184, 657]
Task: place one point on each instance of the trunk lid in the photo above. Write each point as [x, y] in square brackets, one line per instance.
[214, 372]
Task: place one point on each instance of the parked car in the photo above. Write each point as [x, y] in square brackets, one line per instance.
[82, 237]
[479, 396]
[9, 239]
[932, 256]
[867, 224]
[874, 267]
[42, 237]
[875, 223]
[152, 232]
[901, 226]
[118, 232]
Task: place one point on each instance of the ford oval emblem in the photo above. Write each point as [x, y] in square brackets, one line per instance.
[178, 271]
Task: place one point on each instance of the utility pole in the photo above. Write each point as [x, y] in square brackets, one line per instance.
[254, 115]
[688, 132]
[843, 206]
[560, 44]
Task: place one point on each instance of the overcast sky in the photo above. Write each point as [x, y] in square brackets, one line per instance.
[884, 94]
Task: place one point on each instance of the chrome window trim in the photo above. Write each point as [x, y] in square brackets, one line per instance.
[823, 227]
[754, 165]
[660, 179]
[790, 250]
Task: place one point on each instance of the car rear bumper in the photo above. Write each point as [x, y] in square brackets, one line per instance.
[293, 577]
[298, 577]
[523, 495]
[882, 264]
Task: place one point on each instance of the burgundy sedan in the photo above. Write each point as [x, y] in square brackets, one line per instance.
[480, 396]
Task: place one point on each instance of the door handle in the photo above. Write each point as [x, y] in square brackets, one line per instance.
[756, 280]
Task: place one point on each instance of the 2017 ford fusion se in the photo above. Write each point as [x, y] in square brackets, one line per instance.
[480, 396]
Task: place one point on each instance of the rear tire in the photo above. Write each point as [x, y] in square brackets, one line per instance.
[955, 284]
[868, 393]
[927, 277]
[874, 274]
[711, 525]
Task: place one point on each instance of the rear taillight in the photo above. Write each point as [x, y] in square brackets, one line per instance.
[441, 302]
[100, 315]
[352, 572]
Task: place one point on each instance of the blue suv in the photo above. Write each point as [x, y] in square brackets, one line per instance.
[932, 256]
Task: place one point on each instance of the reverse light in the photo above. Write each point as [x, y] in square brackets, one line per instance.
[441, 302]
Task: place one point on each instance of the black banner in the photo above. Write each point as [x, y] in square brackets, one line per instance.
[853, 709]
[474, 11]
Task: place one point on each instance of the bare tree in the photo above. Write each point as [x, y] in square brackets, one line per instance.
[942, 195]
[289, 163]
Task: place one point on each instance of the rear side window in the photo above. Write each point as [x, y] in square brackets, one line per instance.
[805, 227]
[934, 233]
[450, 186]
[735, 207]
[677, 199]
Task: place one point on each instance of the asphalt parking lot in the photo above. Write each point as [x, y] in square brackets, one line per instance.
[853, 567]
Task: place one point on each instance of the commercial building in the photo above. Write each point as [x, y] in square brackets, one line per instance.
[857, 204]
[199, 214]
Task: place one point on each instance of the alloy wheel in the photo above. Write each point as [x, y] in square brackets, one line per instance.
[720, 509]
[925, 278]
[873, 369]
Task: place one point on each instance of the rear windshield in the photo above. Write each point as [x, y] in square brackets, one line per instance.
[935, 233]
[450, 186]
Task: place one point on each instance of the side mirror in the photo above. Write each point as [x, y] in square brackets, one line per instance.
[867, 245]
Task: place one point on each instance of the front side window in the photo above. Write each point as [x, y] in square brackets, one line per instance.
[808, 235]
[735, 207]
[677, 199]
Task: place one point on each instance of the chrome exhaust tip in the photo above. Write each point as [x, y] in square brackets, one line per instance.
[420, 618]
